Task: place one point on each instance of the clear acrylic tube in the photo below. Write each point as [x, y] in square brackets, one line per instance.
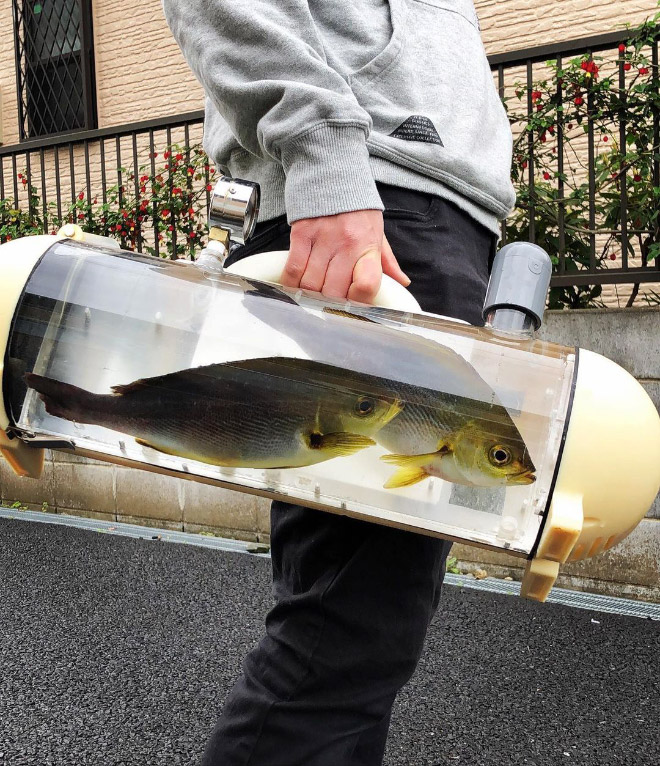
[402, 419]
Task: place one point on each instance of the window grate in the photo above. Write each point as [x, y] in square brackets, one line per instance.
[54, 66]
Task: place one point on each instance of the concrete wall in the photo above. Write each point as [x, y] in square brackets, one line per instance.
[72, 485]
[630, 337]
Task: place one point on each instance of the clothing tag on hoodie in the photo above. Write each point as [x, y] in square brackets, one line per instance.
[418, 128]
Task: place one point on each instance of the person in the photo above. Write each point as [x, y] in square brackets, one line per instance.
[381, 147]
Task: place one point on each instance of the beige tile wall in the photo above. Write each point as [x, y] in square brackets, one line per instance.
[141, 73]
[513, 24]
[9, 115]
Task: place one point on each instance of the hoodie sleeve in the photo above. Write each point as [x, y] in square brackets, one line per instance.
[262, 64]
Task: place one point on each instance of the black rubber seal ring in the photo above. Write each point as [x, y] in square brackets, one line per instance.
[569, 412]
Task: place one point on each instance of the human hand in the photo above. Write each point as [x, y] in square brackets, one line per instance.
[342, 256]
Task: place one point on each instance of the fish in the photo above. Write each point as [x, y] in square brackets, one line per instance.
[451, 425]
[463, 441]
[275, 412]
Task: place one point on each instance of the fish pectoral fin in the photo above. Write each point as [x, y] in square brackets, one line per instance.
[339, 444]
[411, 468]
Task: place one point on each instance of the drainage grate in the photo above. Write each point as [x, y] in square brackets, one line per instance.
[572, 598]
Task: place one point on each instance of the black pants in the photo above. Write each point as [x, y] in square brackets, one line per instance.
[353, 599]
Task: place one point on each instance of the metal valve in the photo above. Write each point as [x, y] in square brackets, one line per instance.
[232, 216]
[234, 209]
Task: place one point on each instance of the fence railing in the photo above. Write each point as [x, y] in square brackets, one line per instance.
[95, 164]
[46, 177]
[526, 68]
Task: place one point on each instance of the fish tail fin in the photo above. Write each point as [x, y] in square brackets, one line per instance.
[411, 470]
[64, 400]
[339, 444]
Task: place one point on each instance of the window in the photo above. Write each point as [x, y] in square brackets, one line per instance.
[55, 66]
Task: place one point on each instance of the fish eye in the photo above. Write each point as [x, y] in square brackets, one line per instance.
[500, 456]
[365, 406]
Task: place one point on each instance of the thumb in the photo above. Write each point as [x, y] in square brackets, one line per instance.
[367, 274]
[391, 266]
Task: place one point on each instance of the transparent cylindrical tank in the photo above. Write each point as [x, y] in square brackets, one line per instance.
[402, 419]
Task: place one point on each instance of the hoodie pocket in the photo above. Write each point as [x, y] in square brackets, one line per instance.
[433, 103]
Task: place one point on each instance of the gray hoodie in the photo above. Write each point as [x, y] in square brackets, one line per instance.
[318, 99]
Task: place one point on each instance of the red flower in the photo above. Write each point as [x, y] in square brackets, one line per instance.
[179, 157]
[613, 257]
[153, 155]
[209, 187]
[191, 211]
[20, 175]
[622, 48]
[167, 155]
[606, 139]
[590, 67]
[165, 213]
[637, 178]
[170, 228]
[643, 70]
[176, 190]
[579, 101]
[627, 66]
[81, 216]
[524, 165]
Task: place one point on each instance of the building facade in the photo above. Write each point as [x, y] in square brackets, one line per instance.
[137, 72]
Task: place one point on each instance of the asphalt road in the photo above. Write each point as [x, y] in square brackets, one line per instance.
[119, 652]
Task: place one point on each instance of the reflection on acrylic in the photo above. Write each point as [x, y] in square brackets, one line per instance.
[404, 419]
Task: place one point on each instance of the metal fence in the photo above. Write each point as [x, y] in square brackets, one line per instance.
[90, 162]
[94, 163]
[528, 63]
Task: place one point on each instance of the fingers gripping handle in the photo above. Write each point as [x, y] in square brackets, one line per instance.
[268, 267]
